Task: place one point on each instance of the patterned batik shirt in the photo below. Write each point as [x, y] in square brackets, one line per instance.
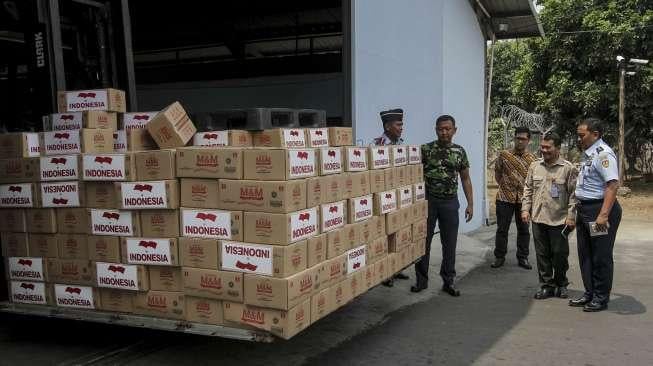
[512, 167]
[442, 163]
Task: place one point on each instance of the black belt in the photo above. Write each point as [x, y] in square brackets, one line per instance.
[590, 202]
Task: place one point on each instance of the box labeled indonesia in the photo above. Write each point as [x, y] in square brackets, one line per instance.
[419, 192]
[317, 137]
[122, 276]
[41, 220]
[233, 138]
[114, 222]
[199, 253]
[379, 157]
[13, 220]
[210, 162]
[77, 271]
[385, 202]
[19, 195]
[360, 208]
[355, 159]
[165, 278]
[280, 293]
[405, 196]
[108, 167]
[199, 193]
[150, 251]
[104, 248]
[267, 196]
[282, 323]
[269, 260]
[414, 154]
[159, 223]
[399, 155]
[341, 136]
[329, 160]
[135, 120]
[171, 127]
[112, 100]
[147, 195]
[57, 168]
[279, 164]
[333, 216]
[280, 228]
[204, 223]
[72, 221]
[116, 300]
[101, 195]
[212, 284]
[24, 292]
[19, 145]
[86, 140]
[204, 311]
[74, 296]
[27, 269]
[280, 137]
[62, 194]
[18, 170]
[79, 120]
[356, 258]
[164, 304]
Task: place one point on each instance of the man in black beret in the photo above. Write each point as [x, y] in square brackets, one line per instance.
[393, 126]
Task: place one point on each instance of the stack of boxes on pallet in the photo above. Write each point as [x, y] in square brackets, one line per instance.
[271, 229]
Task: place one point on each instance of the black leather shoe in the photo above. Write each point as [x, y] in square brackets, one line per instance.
[562, 292]
[401, 276]
[498, 262]
[581, 301]
[389, 283]
[418, 288]
[544, 293]
[594, 306]
[523, 263]
[451, 290]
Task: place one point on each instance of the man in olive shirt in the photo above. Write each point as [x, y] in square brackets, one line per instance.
[549, 202]
[443, 161]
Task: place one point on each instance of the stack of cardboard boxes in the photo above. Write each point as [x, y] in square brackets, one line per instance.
[270, 230]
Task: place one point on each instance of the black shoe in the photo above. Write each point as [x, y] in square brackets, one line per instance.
[523, 263]
[594, 306]
[389, 283]
[451, 290]
[418, 288]
[562, 292]
[401, 276]
[498, 262]
[544, 293]
[581, 301]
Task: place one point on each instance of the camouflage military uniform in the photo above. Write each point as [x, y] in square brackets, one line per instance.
[442, 165]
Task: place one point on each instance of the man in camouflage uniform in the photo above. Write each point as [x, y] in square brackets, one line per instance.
[393, 126]
[443, 161]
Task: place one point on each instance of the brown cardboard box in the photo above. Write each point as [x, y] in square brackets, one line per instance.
[62, 194]
[377, 180]
[390, 182]
[24, 292]
[400, 240]
[367, 228]
[355, 159]
[339, 294]
[385, 202]
[112, 100]
[41, 220]
[341, 136]
[270, 260]
[405, 196]
[419, 191]
[209, 223]
[135, 120]
[379, 157]
[320, 305]
[210, 162]
[139, 140]
[280, 137]
[19, 170]
[360, 209]
[163, 304]
[361, 183]
[333, 216]
[13, 219]
[280, 293]
[317, 137]
[268, 196]
[108, 167]
[419, 229]
[368, 278]
[393, 222]
[354, 284]
[381, 270]
[336, 270]
[114, 222]
[73, 271]
[204, 311]
[171, 127]
[147, 195]
[15, 244]
[199, 253]
[282, 323]
[316, 250]
[101, 195]
[26, 269]
[19, 145]
[72, 246]
[378, 248]
[279, 164]
[150, 251]
[401, 176]
[74, 296]
[155, 165]
[336, 243]
[72, 221]
[122, 276]
[211, 138]
[393, 266]
[279, 228]
[334, 187]
[240, 138]
[212, 284]
[351, 235]
[399, 155]
[86, 140]
[116, 300]
[160, 223]
[104, 248]
[347, 185]
[420, 209]
[406, 215]
[20, 195]
[356, 259]
[199, 193]
[43, 245]
[329, 160]
[378, 227]
[166, 278]
[95, 140]
[316, 191]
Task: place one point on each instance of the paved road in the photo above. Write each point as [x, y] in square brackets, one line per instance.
[494, 322]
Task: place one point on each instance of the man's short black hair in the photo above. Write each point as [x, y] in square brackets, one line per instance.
[592, 124]
[552, 136]
[525, 130]
[446, 117]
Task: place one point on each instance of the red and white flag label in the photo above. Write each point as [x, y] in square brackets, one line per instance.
[60, 194]
[16, 195]
[87, 100]
[213, 224]
[144, 195]
[111, 222]
[303, 224]
[399, 155]
[387, 201]
[356, 259]
[332, 216]
[66, 121]
[380, 156]
[414, 154]
[294, 137]
[319, 137]
[330, 160]
[154, 251]
[73, 296]
[363, 208]
[419, 191]
[62, 142]
[117, 275]
[356, 159]
[64, 167]
[28, 292]
[211, 138]
[405, 196]
[302, 163]
[136, 120]
[26, 268]
[248, 258]
[108, 167]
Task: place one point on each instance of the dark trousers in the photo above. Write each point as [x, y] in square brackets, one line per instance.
[595, 253]
[505, 212]
[552, 251]
[444, 212]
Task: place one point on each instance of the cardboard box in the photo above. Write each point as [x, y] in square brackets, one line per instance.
[116, 300]
[120, 141]
[361, 184]
[160, 223]
[316, 191]
[86, 140]
[114, 222]
[334, 187]
[78, 297]
[393, 265]
[317, 137]
[420, 210]
[378, 248]
[419, 230]
[41, 220]
[62, 194]
[339, 294]
[72, 221]
[282, 323]
[355, 284]
[333, 216]
[355, 159]
[199, 193]
[419, 192]
[316, 250]
[148, 195]
[13, 220]
[211, 138]
[19, 195]
[204, 311]
[360, 208]
[73, 271]
[79, 120]
[171, 127]
[400, 240]
[381, 270]
[35, 293]
[138, 140]
[377, 180]
[163, 304]
[210, 162]
[393, 222]
[101, 195]
[20, 170]
[379, 157]
[356, 259]
[341, 136]
[42, 245]
[401, 176]
[155, 165]
[27, 269]
[135, 120]
[399, 155]
[57, 168]
[336, 270]
[390, 182]
[199, 253]
[279, 164]
[104, 248]
[367, 230]
[150, 251]
[336, 243]
[112, 100]
[108, 167]
[281, 228]
[268, 196]
[378, 227]
[280, 293]
[269, 260]
[212, 284]
[351, 235]
[19, 145]
[280, 137]
[385, 202]
[414, 154]
[202, 223]
[405, 196]
[329, 160]
[122, 276]
[166, 278]
[15, 244]
[72, 246]
[320, 305]
[407, 216]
